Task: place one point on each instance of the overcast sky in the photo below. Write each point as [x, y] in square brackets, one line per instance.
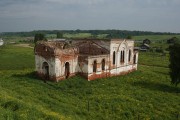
[145, 15]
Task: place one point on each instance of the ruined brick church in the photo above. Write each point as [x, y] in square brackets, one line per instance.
[92, 59]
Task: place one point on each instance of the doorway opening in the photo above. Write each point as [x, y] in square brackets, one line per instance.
[45, 68]
[67, 70]
[95, 66]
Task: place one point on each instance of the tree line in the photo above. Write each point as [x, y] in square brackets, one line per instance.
[111, 33]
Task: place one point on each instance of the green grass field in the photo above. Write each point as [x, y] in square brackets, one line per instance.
[77, 35]
[155, 37]
[145, 94]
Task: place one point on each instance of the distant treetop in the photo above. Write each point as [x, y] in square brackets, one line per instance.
[112, 33]
[146, 41]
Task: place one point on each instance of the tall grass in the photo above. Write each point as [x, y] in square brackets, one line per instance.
[154, 59]
[144, 94]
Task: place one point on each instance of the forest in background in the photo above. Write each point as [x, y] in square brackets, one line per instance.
[110, 33]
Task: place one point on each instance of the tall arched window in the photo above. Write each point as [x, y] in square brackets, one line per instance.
[94, 66]
[121, 59]
[134, 59]
[103, 64]
[123, 56]
[114, 58]
[129, 59]
[67, 70]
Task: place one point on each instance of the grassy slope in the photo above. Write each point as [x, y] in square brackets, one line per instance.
[155, 37]
[146, 93]
[14, 58]
[154, 59]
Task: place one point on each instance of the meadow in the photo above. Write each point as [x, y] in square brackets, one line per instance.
[155, 38]
[78, 35]
[145, 94]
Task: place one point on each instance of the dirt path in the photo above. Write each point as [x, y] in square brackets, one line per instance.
[23, 45]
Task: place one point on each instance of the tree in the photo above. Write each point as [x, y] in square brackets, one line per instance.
[175, 63]
[146, 41]
[59, 35]
[129, 37]
[172, 40]
[109, 36]
[38, 37]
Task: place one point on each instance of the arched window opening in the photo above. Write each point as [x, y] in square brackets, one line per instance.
[95, 66]
[103, 64]
[121, 59]
[123, 56]
[45, 68]
[114, 58]
[129, 59]
[134, 60]
[67, 70]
